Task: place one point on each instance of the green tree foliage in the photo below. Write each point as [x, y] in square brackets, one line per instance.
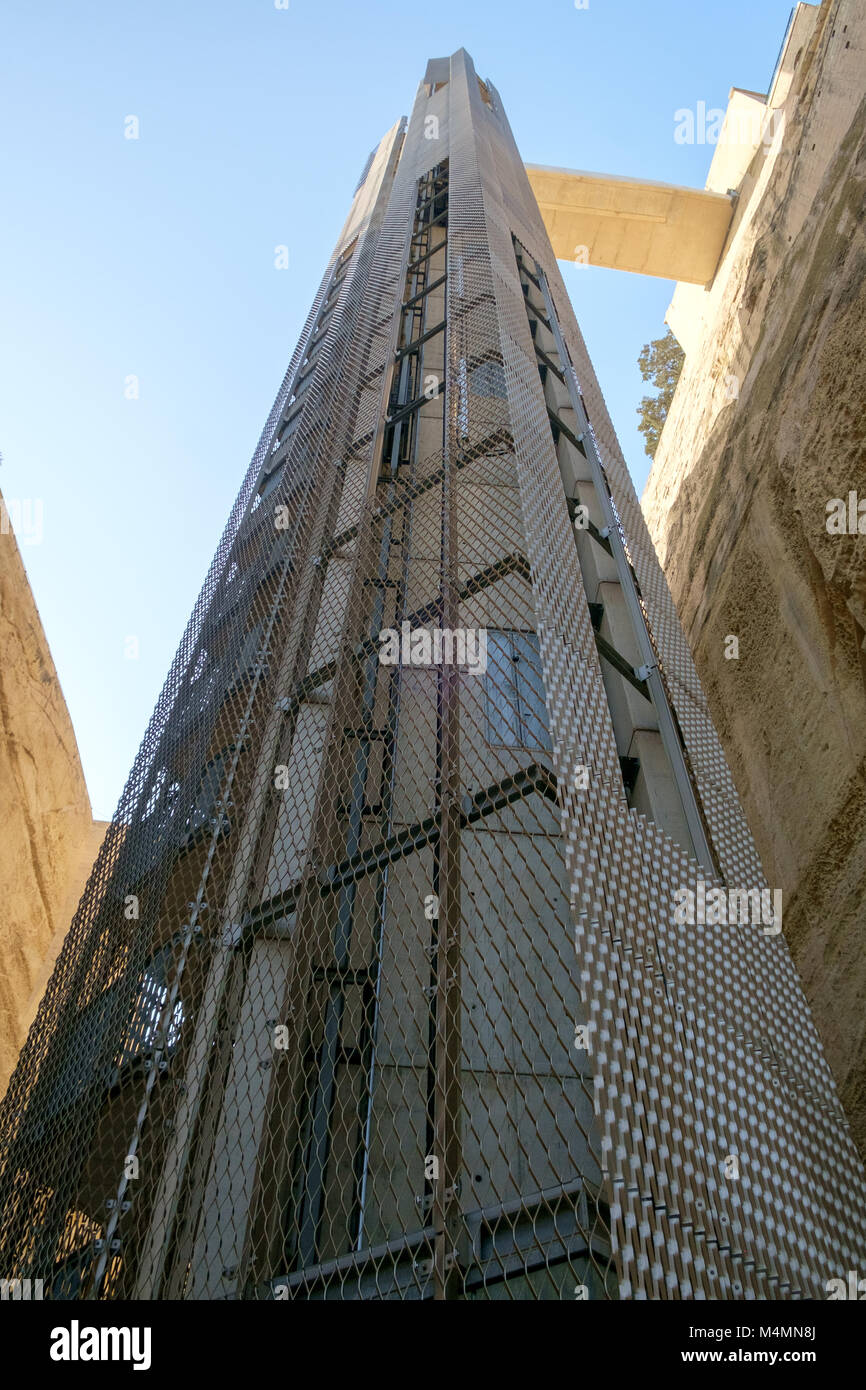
[661, 363]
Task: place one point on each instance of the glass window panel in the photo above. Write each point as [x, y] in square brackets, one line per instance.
[514, 691]
[206, 798]
[248, 656]
[488, 379]
[500, 688]
[271, 481]
[143, 1032]
[530, 689]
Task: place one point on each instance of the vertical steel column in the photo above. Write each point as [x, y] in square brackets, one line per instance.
[312, 1202]
[412, 327]
[322, 1105]
[447, 925]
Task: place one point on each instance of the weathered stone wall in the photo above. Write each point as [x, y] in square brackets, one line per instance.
[48, 839]
[736, 504]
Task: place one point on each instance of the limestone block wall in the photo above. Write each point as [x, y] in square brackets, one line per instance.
[48, 838]
[765, 428]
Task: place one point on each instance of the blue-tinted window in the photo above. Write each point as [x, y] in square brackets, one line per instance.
[514, 691]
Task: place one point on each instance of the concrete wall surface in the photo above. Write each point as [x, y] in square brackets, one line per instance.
[48, 838]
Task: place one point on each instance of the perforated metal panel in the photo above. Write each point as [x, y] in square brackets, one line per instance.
[376, 989]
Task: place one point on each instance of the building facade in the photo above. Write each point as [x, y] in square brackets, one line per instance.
[428, 954]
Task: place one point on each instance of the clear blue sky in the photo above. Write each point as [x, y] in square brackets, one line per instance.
[155, 257]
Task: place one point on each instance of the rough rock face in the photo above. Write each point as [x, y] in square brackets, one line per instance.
[736, 504]
[48, 839]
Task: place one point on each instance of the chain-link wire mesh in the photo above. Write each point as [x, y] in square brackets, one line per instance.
[369, 994]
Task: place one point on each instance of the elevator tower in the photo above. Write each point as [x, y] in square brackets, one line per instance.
[380, 987]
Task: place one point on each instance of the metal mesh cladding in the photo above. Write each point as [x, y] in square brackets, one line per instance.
[319, 1028]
